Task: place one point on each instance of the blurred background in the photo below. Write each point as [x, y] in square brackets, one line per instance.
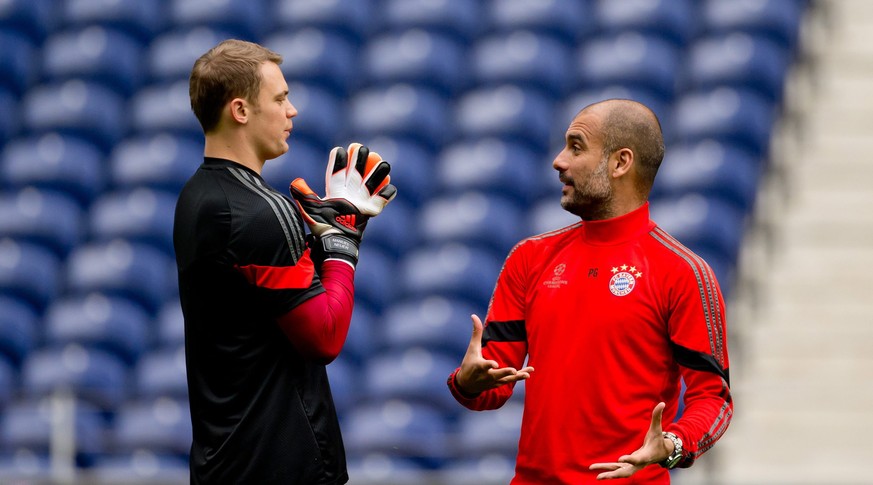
[767, 119]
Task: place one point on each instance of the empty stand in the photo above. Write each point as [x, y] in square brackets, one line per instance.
[341, 16]
[451, 269]
[455, 17]
[414, 375]
[549, 17]
[18, 66]
[506, 111]
[164, 107]
[144, 18]
[29, 272]
[433, 322]
[44, 217]
[162, 425]
[142, 215]
[19, 329]
[472, 218]
[313, 56]
[675, 20]
[778, 19]
[244, 19]
[171, 55]
[491, 165]
[161, 161]
[401, 110]
[161, 372]
[94, 53]
[524, 58]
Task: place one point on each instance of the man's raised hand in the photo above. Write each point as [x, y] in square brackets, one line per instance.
[478, 374]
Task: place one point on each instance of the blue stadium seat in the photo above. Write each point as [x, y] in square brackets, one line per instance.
[34, 18]
[171, 55]
[244, 19]
[397, 428]
[629, 59]
[341, 16]
[317, 57]
[737, 116]
[54, 161]
[76, 107]
[401, 110]
[27, 425]
[11, 123]
[42, 217]
[495, 431]
[460, 18]
[321, 118]
[490, 165]
[29, 272]
[25, 466]
[93, 375]
[142, 214]
[170, 324]
[375, 468]
[472, 217]
[506, 111]
[143, 18]
[411, 166]
[740, 60]
[778, 19]
[121, 268]
[8, 379]
[161, 161]
[18, 65]
[711, 168]
[433, 322]
[454, 270]
[162, 425]
[140, 466]
[304, 159]
[94, 53]
[414, 374]
[481, 468]
[395, 231]
[344, 383]
[19, 329]
[373, 286]
[524, 58]
[416, 56]
[362, 339]
[550, 17]
[114, 325]
[161, 372]
[164, 107]
[547, 215]
[676, 20]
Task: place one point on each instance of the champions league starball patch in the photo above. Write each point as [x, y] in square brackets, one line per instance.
[624, 280]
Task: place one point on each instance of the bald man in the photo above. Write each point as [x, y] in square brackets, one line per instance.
[613, 313]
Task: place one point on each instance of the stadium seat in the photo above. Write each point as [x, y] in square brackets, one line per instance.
[738, 59]
[317, 57]
[170, 324]
[676, 20]
[115, 325]
[162, 425]
[490, 165]
[344, 383]
[142, 215]
[76, 107]
[452, 270]
[413, 374]
[496, 431]
[547, 215]
[778, 19]
[170, 55]
[340, 16]
[140, 466]
[8, 379]
[434, 322]
[34, 18]
[121, 268]
[165, 107]
[550, 17]
[459, 18]
[480, 469]
[472, 217]
[630, 59]
[92, 375]
[27, 425]
[523, 58]
[416, 56]
[161, 372]
[25, 466]
[11, 123]
[18, 65]
[244, 19]
[737, 116]
[710, 168]
[379, 468]
[361, 340]
[44, 217]
[94, 53]
[393, 233]
[161, 161]
[400, 110]
[397, 428]
[373, 286]
[144, 18]
[54, 161]
[411, 166]
[303, 159]
[506, 111]
[29, 272]
[19, 329]
[321, 116]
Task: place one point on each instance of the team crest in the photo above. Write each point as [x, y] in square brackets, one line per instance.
[624, 279]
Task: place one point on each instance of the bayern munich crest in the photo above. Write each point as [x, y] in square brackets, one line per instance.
[624, 279]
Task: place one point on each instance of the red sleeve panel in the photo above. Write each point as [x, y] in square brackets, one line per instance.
[698, 340]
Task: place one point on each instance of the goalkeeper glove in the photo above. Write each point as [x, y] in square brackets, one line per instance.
[354, 192]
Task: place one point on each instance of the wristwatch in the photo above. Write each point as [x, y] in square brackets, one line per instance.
[671, 461]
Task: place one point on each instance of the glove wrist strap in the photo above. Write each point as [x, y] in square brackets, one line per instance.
[340, 247]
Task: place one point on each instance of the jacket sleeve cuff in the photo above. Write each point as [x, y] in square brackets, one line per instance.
[465, 399]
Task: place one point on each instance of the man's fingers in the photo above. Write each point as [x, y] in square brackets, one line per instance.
[605, 466]
[613, 470]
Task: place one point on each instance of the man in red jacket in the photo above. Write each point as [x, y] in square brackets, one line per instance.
[612, 312]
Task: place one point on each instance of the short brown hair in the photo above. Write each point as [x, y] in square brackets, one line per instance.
[229, 70]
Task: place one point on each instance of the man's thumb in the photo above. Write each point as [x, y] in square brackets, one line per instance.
[476, 338]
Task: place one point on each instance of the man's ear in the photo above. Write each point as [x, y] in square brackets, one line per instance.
[239, 110]
[623, 160]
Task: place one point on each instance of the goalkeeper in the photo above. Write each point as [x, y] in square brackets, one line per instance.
[265, 310]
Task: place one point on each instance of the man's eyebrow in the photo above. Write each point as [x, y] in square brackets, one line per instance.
[575, 137]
